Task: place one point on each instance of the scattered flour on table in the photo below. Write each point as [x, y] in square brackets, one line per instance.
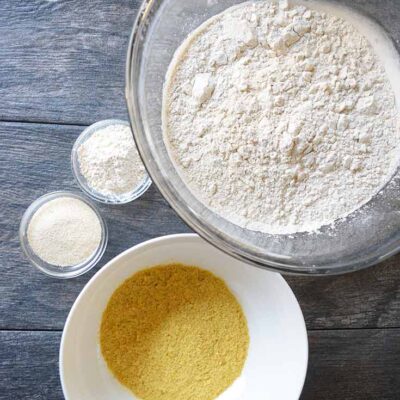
[64, 232]
[280, 117]
[110, 162]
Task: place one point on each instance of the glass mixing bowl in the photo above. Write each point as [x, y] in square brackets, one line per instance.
[366, 237]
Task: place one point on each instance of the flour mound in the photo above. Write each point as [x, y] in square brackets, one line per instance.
[280, 118]
[110, 162]
[64, 232]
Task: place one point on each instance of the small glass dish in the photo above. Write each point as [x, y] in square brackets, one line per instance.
[82, 182]
[54, 270]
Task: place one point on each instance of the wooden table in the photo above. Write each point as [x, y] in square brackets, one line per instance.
[61, 69]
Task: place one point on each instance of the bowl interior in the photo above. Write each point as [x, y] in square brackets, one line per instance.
[366, 237]
[83, 183]
[277, 359]
[54, 270]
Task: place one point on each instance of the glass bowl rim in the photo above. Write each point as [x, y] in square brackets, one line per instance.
[80, 179]
[214, 237]
[50, 269]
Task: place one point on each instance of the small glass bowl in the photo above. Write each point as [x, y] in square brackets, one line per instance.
[82, 182]
[54, 270]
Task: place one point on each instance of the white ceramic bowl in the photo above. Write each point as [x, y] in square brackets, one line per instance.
[277, 361]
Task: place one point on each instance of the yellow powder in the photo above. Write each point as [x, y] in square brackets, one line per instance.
[174, 332]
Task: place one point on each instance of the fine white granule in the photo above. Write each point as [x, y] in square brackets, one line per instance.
[279, 117]
[110, 162]
[64, 232]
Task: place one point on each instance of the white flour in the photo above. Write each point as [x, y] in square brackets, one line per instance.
[280, 118]
[64, 232]
[110, 162]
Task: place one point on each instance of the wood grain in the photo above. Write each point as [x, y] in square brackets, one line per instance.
[64, 61]
[29, 366]
[350, 365]
[354, 365]
[34, 159]
[364, 299]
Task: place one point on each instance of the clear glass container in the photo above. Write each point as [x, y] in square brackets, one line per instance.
[141, 188]
[366, 237]
[54, 270]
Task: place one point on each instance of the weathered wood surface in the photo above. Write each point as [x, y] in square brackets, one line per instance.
[35, 159]
[349, 364]
[29, 366]
[64, 61]
[361, 364]
[364, 299]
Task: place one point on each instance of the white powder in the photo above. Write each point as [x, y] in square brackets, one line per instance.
[279, 117]
[110, 162]
[64, 232]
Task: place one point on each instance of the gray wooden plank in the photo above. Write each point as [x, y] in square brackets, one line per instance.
[349, 364]
[364, 299]
[353, 364]
[34, 159]
[63, 61]
[29, 366]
